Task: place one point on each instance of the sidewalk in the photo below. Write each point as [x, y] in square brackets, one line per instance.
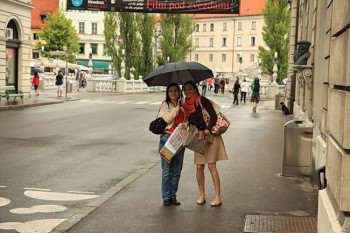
[255, 197]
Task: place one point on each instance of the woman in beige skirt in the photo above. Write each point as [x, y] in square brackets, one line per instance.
[193, 110]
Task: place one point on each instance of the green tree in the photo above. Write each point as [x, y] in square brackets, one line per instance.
[58, 33]
[111, 33]
[175, 42]
[275, 35]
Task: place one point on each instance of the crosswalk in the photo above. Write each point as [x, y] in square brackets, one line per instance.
[118, 102]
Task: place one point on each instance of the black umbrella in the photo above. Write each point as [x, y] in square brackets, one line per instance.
[178, 72]
[36, 70]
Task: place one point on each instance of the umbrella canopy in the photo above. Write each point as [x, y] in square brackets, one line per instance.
[178, 72]
[36, 70]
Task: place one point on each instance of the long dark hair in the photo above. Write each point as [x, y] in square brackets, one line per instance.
[167, 97]
[193, 84]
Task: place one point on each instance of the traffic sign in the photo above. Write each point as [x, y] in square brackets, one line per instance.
[57, 52]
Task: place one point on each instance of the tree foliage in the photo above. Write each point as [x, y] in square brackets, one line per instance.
[275, 35]
[175, 42]
[133, 33]
[58, 33]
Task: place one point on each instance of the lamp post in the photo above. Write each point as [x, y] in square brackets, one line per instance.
[259, 69]
[240, 66]
[168, 59]
[42, 66]
[122, 65]
[274, 69]
[66, 69]
[90, 61]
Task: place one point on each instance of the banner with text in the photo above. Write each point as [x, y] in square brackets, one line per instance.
[158, 6]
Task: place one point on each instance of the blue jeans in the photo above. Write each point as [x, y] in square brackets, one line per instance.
[171, 172]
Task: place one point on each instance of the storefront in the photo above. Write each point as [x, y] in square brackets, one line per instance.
[15, 41]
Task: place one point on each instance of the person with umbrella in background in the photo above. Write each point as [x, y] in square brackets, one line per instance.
[173, 114]
[216, 151]
[35, 83]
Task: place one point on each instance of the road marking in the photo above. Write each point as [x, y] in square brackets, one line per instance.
[156, 103]
[141, 103]
[38, 189]
[3, 186]
[39, 209]
[81, 192]
[53, 196]
[42, 226]
[4, 201]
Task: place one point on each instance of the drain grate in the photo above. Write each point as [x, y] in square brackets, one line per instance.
[279, 224]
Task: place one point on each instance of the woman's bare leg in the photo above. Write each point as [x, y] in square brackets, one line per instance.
[200, 181]
[216, 180]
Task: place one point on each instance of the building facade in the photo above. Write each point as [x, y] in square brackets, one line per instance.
[90, 28]
[220, 40]
[15, 48]
[319, 94]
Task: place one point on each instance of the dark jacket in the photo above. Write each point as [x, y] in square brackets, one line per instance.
[196, 118]
[59, 80]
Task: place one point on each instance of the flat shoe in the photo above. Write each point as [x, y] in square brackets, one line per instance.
[215, 204]
[201, 202]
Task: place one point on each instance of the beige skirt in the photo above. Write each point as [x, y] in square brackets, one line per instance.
[214, 153]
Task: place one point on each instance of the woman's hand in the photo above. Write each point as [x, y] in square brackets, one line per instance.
[206, 132]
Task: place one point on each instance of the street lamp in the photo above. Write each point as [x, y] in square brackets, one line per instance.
[275, 69]
[122, 65]
[240, 66]
[42, 66]
[259, 69]
[168, 59]
[90, 61]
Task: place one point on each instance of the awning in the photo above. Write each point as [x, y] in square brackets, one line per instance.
[83, 63]
[100, 65]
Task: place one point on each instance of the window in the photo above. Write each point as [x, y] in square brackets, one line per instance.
[252, 41]
[239, 26]
[210, 57]
[204, 27]
[196, 42]
[252, 57]
[105, 50]
[223, 57]
[211, 27]
[94, 48]
[35, 55]
[196, 57]
[211, 42]
[35, 36]
[42, 18]
[81, 48]
[197, 27]
[237, 58]
[239, 41]
[253, 25]
[224, 26]
[94, 28]
[224, 40]
[81, 27]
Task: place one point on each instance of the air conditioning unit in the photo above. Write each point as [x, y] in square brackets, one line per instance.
[9, 33]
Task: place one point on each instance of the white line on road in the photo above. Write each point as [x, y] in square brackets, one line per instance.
[38, 189]
[3, 186]
[81, 192]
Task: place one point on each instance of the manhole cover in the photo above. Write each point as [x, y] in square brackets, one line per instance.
[279, 224]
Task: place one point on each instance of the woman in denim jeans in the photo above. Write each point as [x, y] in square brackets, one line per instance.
[173, 114]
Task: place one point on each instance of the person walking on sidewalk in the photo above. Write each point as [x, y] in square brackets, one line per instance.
[59, 84]
[236, 88]
[244, 90]
[35, 83]
[173, 114]
[204, 87]
[216, 150]
[255, 93]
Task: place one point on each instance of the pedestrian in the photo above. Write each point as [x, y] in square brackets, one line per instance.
[244, 90]
[236, 89]
[59, 84]
[83, 79]
[222, 85]
[255, 93]
[35, 83]
[204, 87]
[173, 114]
[216, 150]
[216, 84]
[210, 84]
[78, 77]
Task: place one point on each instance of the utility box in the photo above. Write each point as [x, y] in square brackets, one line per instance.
[297, 145]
